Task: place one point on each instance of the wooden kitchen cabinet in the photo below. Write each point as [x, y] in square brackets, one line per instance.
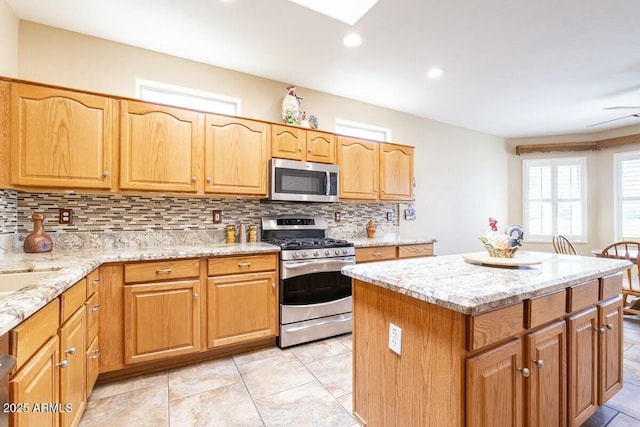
[92, 310]
[61, 138]
[289, 142]
[111, 325]
[396, 172]
[583, 365]
[72, 364]
[241, 299]
[384, 253]
[160, 147]
[494, 387]
[358, 160]
[610, 348]
[237, 153]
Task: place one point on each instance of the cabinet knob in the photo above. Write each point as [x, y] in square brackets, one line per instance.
[601, 330]
[309, 150]
[273, 285]
[105, 173]
[196, 296]
[96, 354]
[539, 363]
[63, 364]
[208, 179]
[72, 350]
[95, 307]
[524, 371]
[610, 326]
[95, 282]
[194, 179]
[299, 148]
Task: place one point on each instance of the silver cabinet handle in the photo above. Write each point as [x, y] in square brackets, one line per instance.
[95, 282]
[273, 285]
[71, 351]
[377, 254]
[194, 179]
[299, 148]
[63, 364]
[196, 296]
[539, 363]
[163, 270]
[610, 326]
[244, 264]
[105, 173]
[208, 179]
[95, 307]
[525, 372]
[96, 354]
[309, 150]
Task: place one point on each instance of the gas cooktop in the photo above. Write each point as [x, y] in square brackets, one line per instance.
[308, 243]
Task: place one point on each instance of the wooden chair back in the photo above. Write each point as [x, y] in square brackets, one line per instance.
[628, 250]
[562, 245]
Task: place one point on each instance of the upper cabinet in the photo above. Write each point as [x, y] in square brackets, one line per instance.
[358, 161]
[160, 147]
[236, 156]
[396, 172]
[61, 138]
[289, 142]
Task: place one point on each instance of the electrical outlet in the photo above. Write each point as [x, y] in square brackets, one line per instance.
[217, 217]
[65, 216]
[389, 216]
[395, 338]
[337, 216]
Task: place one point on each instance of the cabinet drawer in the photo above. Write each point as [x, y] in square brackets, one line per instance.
[492, 327]
[545, 308]
[93, 281]
[163, 270]
[379, 253]
[30, 335]
[610, 286]
[409, 251]
[242, 264]
[582, 296]
[72, 299]
[93, 316]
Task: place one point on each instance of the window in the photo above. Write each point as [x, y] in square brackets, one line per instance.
[361, 130]
[554, 196]
[187, 98]
[627, 195]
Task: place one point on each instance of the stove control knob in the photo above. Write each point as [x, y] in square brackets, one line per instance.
[295, 255]
[337, 252]
[327, 252]
[344, 252]
[316, 253]
[304, 254]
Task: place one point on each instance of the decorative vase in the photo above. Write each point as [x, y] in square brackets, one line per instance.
[371, 229]
[231, 233]
[38, 240]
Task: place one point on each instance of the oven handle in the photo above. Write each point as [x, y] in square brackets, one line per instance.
[300, 268]
[302, 328]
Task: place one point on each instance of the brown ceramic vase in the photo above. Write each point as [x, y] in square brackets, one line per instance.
[38, 240]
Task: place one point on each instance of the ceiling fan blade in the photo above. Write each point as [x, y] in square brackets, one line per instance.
[631, 107]
[613, 120]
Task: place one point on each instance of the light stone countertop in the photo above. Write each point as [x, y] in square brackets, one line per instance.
[451, 282]
[67, 267]
[391, 240]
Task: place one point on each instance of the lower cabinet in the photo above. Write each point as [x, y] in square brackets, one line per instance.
[73, 392]
[384, 253]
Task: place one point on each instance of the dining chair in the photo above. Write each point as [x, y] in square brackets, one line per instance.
[562, 245]
[628, 250]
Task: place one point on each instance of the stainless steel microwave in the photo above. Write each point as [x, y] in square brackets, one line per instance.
[291, 180]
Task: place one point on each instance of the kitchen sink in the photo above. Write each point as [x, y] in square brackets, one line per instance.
[12, 282]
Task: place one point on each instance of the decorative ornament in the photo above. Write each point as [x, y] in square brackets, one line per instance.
[502, 245]
[291, 107]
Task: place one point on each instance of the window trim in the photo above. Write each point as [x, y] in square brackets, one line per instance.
[186, 91]
[362, 126]
[526, 163]
[618, 158]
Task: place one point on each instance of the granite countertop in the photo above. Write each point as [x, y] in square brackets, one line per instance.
[392, 240]
[451, 282]
[67, 267]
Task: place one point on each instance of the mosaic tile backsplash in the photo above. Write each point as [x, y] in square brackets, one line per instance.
[117, 220]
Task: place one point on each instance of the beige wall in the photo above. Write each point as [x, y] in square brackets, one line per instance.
[8, 41]
[600, 214]
[460, 175]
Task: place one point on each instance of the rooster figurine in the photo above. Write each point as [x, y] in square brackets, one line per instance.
[291, 107]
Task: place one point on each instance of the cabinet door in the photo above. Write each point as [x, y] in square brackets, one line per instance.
[159, 148]
[37, 382]
[583, 364]
[358, 161]
[111, 324]
[396, 172]
[61, 138]
[610, 348]
[73, 371]
[92, 357]
[241, 307]
[236, 156]
[161, 320]
[546, 389]
[494, 387]
[287, 142]
[321, 147]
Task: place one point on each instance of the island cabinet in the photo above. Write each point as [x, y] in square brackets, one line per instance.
[549, 360]
[61, 138]
[160, 147]
[241, 299]
[237, 153]
[294, 143]
[161, 309]
[385, 253]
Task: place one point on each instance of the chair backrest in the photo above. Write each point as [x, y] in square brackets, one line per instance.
[629, 250]
[562, 245]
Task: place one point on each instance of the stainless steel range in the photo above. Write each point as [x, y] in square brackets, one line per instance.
[315, 297]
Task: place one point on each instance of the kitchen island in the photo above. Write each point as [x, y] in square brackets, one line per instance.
[486, 346]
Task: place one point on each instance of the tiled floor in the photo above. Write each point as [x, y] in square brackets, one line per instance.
[307, 385]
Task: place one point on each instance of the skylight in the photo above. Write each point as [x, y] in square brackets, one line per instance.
[347, 11]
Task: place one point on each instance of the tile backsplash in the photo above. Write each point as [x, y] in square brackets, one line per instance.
[117, 220]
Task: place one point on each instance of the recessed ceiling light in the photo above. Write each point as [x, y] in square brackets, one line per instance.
[352, 40]
[348, 12]
[434, 73]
